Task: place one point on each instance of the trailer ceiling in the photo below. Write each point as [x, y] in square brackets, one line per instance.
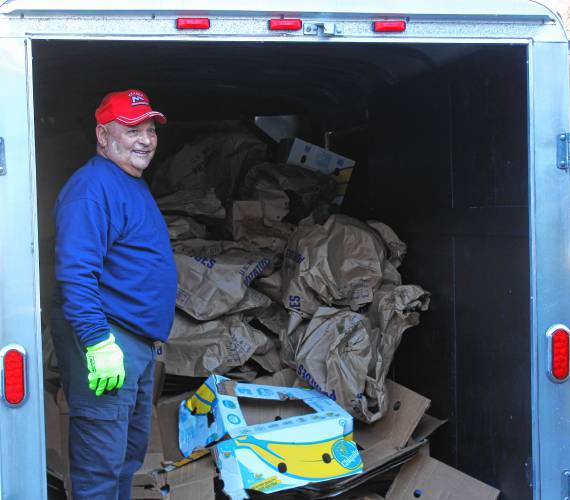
[268, 78]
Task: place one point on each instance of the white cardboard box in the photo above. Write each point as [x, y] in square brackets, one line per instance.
[305, 154]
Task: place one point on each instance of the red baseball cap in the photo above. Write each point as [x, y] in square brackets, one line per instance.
[129, 107]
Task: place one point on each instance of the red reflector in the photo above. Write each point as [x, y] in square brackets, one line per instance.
[386, 26]
[285, 24]
[560, 354]
[14, 379]
[193, 23]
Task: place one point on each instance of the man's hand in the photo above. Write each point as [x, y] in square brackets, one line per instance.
[105, 365]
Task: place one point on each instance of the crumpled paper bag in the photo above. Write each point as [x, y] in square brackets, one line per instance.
[198, 247]
[196, 349]
[209, 287]
[297, 188]
[338, 263]
[396, 251]
[347, 355]
[394, 309]
[216, 161]
[267, 356]
[273, 319]
[332, 355]
[192, 203]
[271, 285]
[260, 224]
[183, 227]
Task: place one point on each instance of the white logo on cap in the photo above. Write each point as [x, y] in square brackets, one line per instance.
[138, 99]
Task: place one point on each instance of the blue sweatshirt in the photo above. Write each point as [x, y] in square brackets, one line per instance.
[113, 256]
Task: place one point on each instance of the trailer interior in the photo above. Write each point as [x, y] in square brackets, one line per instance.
[440, 141]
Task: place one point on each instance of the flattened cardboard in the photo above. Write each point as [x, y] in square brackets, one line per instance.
[145, 493]
[427, 426]
[165, 469]
[153, 458]
[200, 472]
[428, 479]
[386, 443]
[395, 429]
[202, 489]
[168, 421]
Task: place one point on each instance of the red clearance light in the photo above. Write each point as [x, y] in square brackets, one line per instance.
[560, 354]
[389, 26]
[285, 24]
[193, 23]
[14, 380]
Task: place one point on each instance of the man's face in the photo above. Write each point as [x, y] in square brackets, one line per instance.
[132, 148]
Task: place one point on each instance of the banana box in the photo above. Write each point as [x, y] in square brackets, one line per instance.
[263, 447]
[313, 157]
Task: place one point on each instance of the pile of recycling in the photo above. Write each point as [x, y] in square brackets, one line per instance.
[273, 382]
[271, 276]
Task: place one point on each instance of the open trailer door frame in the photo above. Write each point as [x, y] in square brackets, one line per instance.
[22, 442]
[549, 189]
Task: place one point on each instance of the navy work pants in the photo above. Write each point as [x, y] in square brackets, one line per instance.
[108, 434]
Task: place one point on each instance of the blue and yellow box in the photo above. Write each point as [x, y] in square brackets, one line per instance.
[269, 456]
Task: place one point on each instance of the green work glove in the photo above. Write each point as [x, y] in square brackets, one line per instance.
[105, 365]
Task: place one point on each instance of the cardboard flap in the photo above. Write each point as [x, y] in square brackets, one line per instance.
[227, 388]
[427, 426]
[383, 453]
[428, 479]
[154, 456]
[283, 378]
[259, 411]
[193, 473]
[202, 489]
[168, 419]
[405, 410]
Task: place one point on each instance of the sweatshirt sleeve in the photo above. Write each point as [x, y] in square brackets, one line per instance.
[83, 235]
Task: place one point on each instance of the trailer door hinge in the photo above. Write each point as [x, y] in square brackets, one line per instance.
[2, 157]
[323, 29]
[563, 151]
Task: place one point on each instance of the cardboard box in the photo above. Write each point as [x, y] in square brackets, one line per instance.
[198, 490]
[305, 154]
[428, 479]
[389, 442]
[165, 469]
[154, 458]
[290, 436]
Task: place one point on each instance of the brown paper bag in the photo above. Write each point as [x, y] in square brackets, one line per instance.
[393, 310]
[209, 287]
[259, 224]
[298, 188]
[197, 349]
[338, 263]
[192, 203]
[216, 161]
[332, 355]
[184, 227]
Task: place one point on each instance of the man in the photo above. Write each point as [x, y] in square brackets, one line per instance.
[115, 296]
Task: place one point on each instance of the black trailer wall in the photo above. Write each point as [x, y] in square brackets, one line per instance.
[447, 166]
